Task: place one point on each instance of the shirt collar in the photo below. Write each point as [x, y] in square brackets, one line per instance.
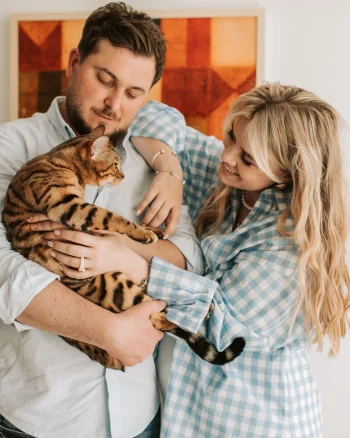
[57, 121]
[55, 117]
[281, 198]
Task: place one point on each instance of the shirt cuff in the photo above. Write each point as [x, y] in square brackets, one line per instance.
[187, 295]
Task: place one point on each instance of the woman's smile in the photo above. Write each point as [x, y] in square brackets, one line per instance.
[229, 169]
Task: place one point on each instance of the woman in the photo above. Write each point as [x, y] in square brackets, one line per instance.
[272, 224]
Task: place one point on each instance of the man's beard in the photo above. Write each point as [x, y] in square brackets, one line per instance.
[78, 123]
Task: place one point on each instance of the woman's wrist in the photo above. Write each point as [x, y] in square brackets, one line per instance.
[135, 267]
[170, 163]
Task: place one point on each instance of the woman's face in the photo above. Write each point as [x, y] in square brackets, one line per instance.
[238, 168]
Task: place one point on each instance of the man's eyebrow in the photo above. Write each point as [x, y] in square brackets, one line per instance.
[114, 77]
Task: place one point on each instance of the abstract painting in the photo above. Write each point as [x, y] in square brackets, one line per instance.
[211, 59]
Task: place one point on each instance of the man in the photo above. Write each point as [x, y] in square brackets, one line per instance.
[47, 388]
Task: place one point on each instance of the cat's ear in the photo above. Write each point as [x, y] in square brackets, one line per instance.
[98, 146]
[98, 131]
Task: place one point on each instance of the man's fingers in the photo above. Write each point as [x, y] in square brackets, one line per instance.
[172, 221]
[152, 306]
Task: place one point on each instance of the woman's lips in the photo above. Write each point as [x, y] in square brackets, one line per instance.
[229, 169]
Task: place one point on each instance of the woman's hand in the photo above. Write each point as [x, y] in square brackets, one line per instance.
[164, 199]
[102, 253]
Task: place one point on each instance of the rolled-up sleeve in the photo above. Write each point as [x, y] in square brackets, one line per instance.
[162, 122]
[188, 296]
[253, 300]
[20, 279]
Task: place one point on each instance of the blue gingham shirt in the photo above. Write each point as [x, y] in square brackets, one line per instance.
[251, 277]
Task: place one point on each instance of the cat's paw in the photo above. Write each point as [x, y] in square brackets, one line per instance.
[148, 235]
[160, 322]
[159, 233]
[211, 308]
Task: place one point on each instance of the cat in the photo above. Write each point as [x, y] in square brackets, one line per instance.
[54, 184]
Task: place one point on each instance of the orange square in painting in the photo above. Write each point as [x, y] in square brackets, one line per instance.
[175, 31]
[71, 34]
[233, 41]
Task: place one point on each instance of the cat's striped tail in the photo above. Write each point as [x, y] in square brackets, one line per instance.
[207, 351]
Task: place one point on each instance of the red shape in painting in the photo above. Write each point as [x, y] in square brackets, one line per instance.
[43, 57]
[194, 91]
[198, 42]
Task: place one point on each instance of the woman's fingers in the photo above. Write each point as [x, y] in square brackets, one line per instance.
[69, 248]
[172, 221]
[77, 237]
[72, 273]
[146, 200]
[71, 262]
[153, 212]
[46, 226]
[37, 217]
[160, 216]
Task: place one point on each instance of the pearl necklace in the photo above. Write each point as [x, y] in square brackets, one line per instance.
[244, 202]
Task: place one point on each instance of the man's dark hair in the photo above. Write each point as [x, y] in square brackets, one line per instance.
[124, 27]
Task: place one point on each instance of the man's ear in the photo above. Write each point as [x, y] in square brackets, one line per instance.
[73, 61]
[98, 131]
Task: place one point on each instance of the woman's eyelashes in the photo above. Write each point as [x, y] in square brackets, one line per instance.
[243, 155]
[231, 134]
[244, 160]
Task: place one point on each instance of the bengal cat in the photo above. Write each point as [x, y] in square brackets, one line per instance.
[54, 184]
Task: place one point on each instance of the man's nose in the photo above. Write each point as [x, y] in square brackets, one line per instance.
[114, 101]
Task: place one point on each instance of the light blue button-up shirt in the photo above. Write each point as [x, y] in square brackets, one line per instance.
[47, 388]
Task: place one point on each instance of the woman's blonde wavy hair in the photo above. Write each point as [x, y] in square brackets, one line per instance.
[292, 132]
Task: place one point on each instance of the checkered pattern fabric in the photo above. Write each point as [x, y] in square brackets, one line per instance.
[251, 278]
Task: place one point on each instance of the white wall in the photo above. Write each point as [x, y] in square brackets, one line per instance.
[307, 44]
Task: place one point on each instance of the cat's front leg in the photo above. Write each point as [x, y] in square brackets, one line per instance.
[79, 215]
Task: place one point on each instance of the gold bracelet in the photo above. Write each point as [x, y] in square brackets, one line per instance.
[162, 151]
[172, 174]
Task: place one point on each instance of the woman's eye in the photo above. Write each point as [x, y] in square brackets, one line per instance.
[245, 161]
[231, 135]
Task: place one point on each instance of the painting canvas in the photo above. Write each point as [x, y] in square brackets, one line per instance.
[211, 59]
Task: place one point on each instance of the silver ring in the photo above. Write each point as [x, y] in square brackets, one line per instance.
[82, 265]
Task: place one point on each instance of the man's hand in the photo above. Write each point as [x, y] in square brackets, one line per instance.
[132, 337]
